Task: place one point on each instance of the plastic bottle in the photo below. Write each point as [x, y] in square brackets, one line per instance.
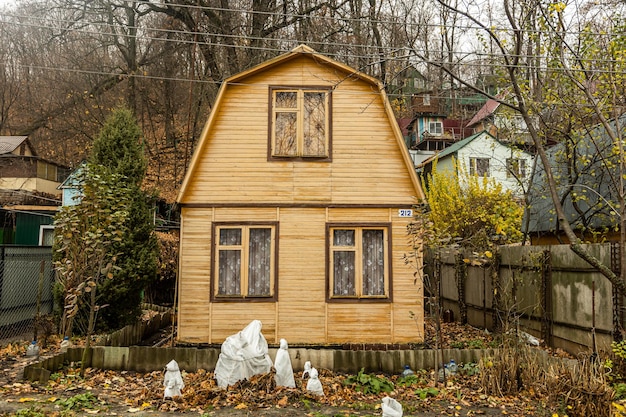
[33, 349]
[65, 344]
[452, 367]
[443, 371]
[407, 371]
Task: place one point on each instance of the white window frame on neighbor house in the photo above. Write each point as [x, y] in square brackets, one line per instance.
[300, 123]
[435, 128]
[241, 249]
[479, 167]
[44, 232]
[349, 255]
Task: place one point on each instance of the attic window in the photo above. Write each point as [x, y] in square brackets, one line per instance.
[300, 123]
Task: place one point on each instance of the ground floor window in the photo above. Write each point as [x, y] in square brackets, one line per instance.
[244, 261]
[358, 261]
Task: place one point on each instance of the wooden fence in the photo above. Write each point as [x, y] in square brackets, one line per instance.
[548, 290]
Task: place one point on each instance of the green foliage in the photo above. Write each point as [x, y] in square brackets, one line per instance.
[619, 349]
[84, 236]
[369, 383]
[471, 211]
[29, 412]
[423, 393]
[469, 369]
[119, 165]
[407, 381]
[78, 402]
[620, 391]
[118, 147]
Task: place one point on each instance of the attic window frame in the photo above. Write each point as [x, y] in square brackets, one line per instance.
[300, 90]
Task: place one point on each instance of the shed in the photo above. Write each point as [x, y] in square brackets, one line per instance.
[294, 211]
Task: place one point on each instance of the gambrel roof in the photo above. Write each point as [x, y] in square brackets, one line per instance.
[342, 72]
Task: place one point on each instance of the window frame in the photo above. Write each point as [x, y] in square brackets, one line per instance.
[473, 166]
[433, 132]
[214, 274]
[300, 90]
[387, 256]
[516, 168]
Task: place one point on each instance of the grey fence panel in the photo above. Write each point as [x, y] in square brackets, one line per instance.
[24, 290]
[549, 290]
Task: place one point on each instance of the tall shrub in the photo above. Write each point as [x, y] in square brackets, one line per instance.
[118, 149]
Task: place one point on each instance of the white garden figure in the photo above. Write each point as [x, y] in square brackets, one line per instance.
[314, 385]
[173, 380]
[282, 364]
[307, 370]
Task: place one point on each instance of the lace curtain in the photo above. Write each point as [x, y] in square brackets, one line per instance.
[372, 258]
[229, 271]
[373, 262]
[259, 262]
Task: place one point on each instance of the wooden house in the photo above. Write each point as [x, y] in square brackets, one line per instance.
[483, 155]
[29, 196]
[294, 211]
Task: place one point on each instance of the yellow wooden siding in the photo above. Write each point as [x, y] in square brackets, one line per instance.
[362, 323]
[228, 318]
[301, 283]
[301, 314]
[194, 285]
[233, 166]
[367, 168]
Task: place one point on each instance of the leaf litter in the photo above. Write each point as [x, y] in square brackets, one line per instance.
[122, 392]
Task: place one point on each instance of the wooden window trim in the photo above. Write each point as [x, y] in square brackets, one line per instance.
[515, 168]
[388, 298]
[214, 265]
[473, 166]
[270, 124]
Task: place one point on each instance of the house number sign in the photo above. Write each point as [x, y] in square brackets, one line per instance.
[405, 213]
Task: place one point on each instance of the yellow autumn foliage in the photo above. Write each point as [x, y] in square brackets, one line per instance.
[475, 212]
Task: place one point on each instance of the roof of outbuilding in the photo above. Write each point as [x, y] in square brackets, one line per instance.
[9, 143]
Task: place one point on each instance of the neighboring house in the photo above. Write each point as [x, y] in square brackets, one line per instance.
[586, 170]
[501, 122]
[22, 169]
[483, 155]
[294, 211]
[71, 187]
[28, 192]
[429, 131]
[407, 82]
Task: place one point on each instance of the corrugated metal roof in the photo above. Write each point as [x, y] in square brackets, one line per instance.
[9, 143]
[458, 145]
[487, 109]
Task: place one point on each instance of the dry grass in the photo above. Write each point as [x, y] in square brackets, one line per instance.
[579, 385]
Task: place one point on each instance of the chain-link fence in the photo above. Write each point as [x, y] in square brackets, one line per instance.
[26, 300]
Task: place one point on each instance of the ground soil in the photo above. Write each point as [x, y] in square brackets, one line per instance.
[109, 393]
